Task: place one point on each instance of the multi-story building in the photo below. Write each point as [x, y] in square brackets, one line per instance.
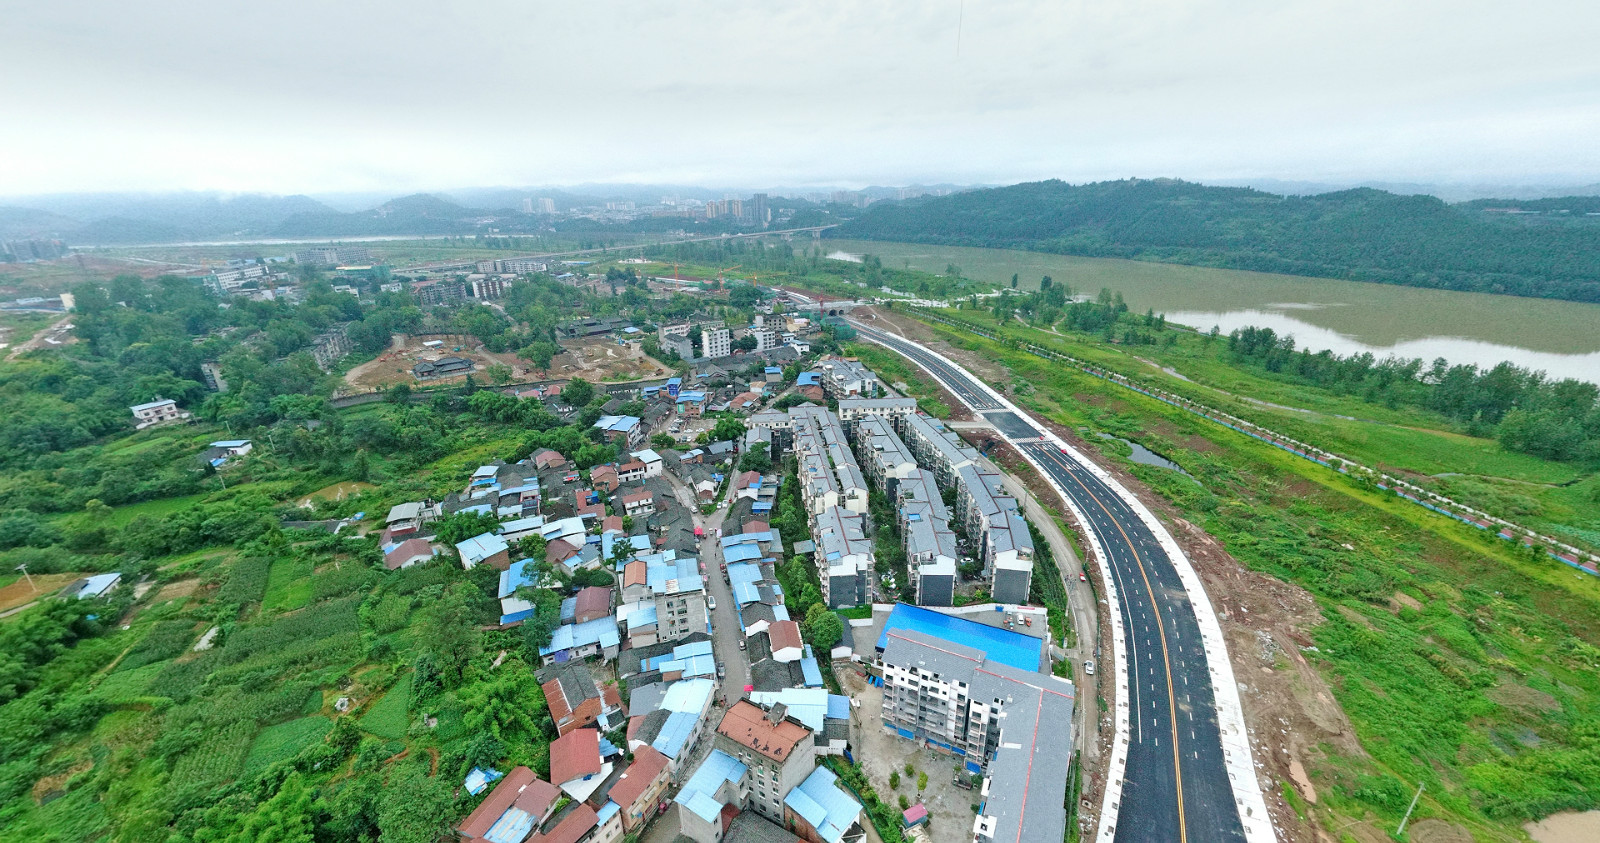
[935, 446]
[159, 411]
[35, 250]
[777, 751]
[844, 555]
[760, 209]
[884, 458]
[892, 409]
[715, 343]
[930, 544]
[829, 474]
[488, 287]
[547, 206]
[440, 292]
[227, 280]
[990, 517]
[331, 346]
[324, 257]
[678, 594]
[843, 378]
[1012, 725]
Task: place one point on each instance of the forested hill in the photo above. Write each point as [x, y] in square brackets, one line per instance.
[1363, 234]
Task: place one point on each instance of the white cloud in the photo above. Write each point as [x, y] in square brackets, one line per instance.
[302, 96]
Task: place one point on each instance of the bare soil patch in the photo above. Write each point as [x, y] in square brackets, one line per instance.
[20, 593]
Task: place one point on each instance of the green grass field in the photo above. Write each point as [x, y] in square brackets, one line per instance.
[289, 585]
[284, 741]
[389, 717]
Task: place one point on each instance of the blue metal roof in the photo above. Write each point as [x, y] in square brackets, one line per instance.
[518, 575]
[1011, 648]
[824, 805]
[675, 733]
[513, 827]
[809, 669]
[741, 553]
[602, 631]
[481, 547]
[699, 792]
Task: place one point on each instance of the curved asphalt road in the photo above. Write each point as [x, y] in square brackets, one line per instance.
[1176, 785]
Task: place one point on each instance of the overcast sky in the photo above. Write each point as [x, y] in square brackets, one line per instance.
[393, 95]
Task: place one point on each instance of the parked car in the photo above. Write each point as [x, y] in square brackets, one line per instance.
[1088, 667]
[1082, 577]
[722, 670]
[741, 643]
[712, 602]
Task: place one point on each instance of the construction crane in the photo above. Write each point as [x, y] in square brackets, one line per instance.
[721, 273]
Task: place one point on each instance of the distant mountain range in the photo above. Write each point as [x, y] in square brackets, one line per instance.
[1547, 248]
[115, 219]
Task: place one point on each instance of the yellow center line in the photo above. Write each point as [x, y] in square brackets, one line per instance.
[1172, 699]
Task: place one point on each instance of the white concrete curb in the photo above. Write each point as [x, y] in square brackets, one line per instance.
[1253, 815]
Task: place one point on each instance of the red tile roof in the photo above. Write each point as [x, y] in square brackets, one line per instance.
[648, 765]
[572, 827]
[635, 573]
[593, 602]
[784, 635]
[496, 803]
[757, 527]
[405, 551]
[747, 724]
[611, 522]
[575, 755]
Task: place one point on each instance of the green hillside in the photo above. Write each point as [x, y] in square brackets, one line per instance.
[1552, 250]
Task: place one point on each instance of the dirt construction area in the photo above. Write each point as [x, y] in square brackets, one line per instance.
[605, 360]
[950, 808]
[597, 360]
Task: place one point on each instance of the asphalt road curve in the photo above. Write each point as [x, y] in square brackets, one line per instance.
[1176, 785]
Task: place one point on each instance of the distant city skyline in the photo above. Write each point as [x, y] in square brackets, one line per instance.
[164, 96]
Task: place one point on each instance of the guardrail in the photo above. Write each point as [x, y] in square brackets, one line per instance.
[1562, 552]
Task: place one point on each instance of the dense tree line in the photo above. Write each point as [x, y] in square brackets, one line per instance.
[1364, 235]
[1558, 420]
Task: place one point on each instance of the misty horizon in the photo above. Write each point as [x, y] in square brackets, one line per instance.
[302, 99]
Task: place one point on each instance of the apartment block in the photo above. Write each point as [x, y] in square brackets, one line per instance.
[1013, 725]
[844, 555]
[715, 343]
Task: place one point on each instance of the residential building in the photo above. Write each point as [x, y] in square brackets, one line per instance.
[485, 549]
[626, 432]
[678, 592]
[641, 788]
[159, 411]
[519, 803]
[843, 377]
[331, 346]
[844, 555]
[821, 810]
[991, 518]
[407, 553]
[828, 472]
[715, 343]
[1013, 725]
[930, 544]
[852, 409]
[775, 749]
[651, 460]
[935, 446]
[576, 700]
[639, 504]
[580, 640]
[547, 205]
[631, 471]
[577, 765]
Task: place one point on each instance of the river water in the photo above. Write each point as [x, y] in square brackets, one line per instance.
[1562, 338]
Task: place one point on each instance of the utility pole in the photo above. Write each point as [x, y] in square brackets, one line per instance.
[1407, 818]
[24, 569]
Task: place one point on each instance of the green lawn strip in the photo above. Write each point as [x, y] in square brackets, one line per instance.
[289, 585]
[284, 741]
[389, 717]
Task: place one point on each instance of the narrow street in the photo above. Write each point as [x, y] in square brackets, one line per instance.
[725, 634]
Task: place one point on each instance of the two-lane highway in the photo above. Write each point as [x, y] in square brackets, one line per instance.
[1176, 783]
